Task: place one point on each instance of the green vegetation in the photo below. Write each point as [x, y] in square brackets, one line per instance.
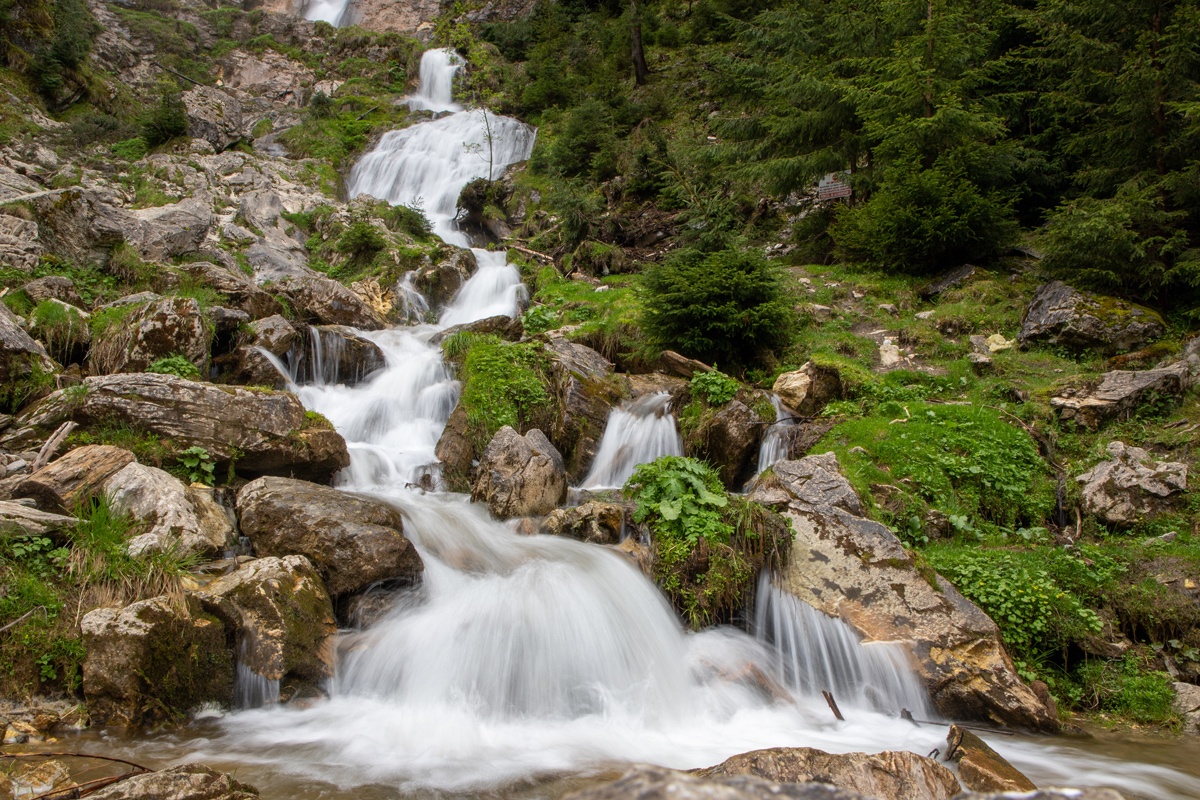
[715, 387]
[176, 365]
[708, 547]
[198, 465]
[503, 383]
[60, 327]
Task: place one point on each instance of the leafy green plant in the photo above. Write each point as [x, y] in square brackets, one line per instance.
[682, 498]
[165, 120]
[715, 387]
[175, 364]
[539, 319]
[199, 465]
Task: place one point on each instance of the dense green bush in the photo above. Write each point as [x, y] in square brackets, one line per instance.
[503, 383]
[166, 120]
[729, 307]
[361, 241]
[715, 387]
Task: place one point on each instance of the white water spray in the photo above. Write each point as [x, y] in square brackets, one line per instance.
[638, 433]
[774, 447]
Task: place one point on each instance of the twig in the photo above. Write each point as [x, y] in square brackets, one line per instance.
[833, 706]
[51, 446]
[85, 788]
[77, 755]
[906, 714]
[177, 74]
[533, 253]
[21, 619]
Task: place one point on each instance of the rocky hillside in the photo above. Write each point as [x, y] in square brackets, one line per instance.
[983, 453]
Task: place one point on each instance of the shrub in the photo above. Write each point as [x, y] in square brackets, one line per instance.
[197, 465]
[1126, 687]
[166, 120]
[408, 220]
[715, 387]
[130, 149]
[361, 241]
[727, 307]
[924, 221]
[174, 364]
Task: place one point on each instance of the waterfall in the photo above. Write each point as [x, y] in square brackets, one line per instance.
[252, 690]
[819, 653]
[638, 433]
[335, 12]
[774, 445]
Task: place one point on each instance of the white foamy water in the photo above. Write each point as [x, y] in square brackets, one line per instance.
[774, 447]
[521, 656]
[637, 433]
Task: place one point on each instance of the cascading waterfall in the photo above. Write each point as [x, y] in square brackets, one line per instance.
[774, 447]
[526, 655]
[819, 653]
[638, 433]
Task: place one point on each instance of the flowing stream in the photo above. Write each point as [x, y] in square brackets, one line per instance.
[525, 657]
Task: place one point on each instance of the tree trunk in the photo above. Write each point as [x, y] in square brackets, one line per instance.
[640, 71]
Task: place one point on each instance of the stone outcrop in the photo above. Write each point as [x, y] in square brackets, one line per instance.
[19, 245]
[67, 483]
[1061, 316]
[238, 289]
[440, 282]
[165, 327]
[18, 519]
[728, 438]
[270, 75]
[508, 328]
[980, 768]
[808, 389]
[595, 522]
[520, 476]
[170, 516]
[895, 774]
[326, 302]
[1119, 393]
[455, 449]
[345, 356]
[163, 232]
[247, 365]
[812, 482]
[284, 620]
[26, 370]
[153, 658]
[213, 115]
[54, 287]
[187, 782]
[1187, 705]
[352, 540]
[1130, 486]
[267, 432]
[587, 390]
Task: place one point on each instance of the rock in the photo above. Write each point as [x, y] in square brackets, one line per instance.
[440, 282]
[163, 232]
[66, 484]
[520, 476]
[681, 365]
[659, 783]
[890, 355]
[248, 365]
[269, 75]
[856, 569]
[241, 291]
[187, 782]
[327, 302]
[953, 278]
[26, 371]
[344, 357]
[808, 389]
[54, 287]
[1087, 793]
[586, 390]
[35, 780]
[595, 522]
[509, 328]
[889, 308]
[455, 449]
[285, 619]
[154, 658]
[166, 327]
[19, 245]
[21, 520]
[728, 438]
[354, 541]
[1120, 392]
[1187, 705]
[1061, 316]
[896, 775]
[812, 482]
[980, 768]
[1131, 486]
[173, 517]
[213, 115]
[268, 432]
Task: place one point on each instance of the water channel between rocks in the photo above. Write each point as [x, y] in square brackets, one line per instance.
[527, 666]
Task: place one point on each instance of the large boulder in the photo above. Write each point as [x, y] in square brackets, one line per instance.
[326, 302]
[520, 476]
[440, 282]
[1120, 392]
[165, 327]
[1187, 705]
[595, 522]
[163, 232]
[249, 365]
[980, 768]
[353, 540]
[857, 570]
[728, 438]
[336, 354]
[169, 515]
[587, 390]
[213, 115]
[54, 287]
[187, 782]
[812, 481]
[284, 618]
[270, 75]
[242, 292]
[1061, 316]
[266, 432]
[152, 659]
[68, 483]
[894, 774]
[456, 449]
[26, 370]
[808, 389]
[1131, 485]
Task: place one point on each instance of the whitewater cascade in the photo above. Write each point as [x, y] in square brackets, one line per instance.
[636, 433]
[521, 656]
[774, 445]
